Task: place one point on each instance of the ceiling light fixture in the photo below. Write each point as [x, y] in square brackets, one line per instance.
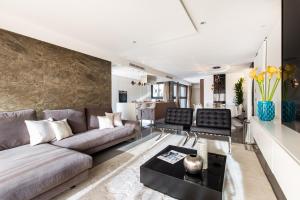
[216, 67]
[136, 66]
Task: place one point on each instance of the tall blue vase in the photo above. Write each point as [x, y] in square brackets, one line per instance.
[266, 110]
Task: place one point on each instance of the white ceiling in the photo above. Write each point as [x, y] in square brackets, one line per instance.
[128, 72]
[166, 38]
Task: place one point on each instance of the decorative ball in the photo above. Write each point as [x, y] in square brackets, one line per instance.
[193, 164]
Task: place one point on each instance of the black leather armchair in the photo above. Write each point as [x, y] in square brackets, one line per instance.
[215, 122]
[177, 119]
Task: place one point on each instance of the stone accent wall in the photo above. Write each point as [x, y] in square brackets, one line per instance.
[35, 74]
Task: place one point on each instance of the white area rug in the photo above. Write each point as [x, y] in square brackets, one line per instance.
[118, 178]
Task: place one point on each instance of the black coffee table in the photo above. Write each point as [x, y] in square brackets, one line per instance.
[172, 180]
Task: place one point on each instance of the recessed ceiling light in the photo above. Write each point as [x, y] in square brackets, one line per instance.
[203, 22]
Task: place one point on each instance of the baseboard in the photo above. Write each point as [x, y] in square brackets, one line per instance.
[274, 184]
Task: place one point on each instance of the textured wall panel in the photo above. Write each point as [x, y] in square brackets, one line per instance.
[35, 74]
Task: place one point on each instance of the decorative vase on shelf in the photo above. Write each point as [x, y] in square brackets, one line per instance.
[267, 87]
[193, 164]
[266, 110]
[288, 111]
[240, 109]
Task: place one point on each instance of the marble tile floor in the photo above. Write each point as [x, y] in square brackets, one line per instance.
[115, 175]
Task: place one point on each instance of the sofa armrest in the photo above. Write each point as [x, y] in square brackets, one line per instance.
[135, 124]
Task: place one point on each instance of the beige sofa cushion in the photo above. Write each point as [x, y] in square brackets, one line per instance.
[75, 117]
[92, 113]
[61, 129]
[39, 131]
[116, 118]
[105, 122]
[93, 138]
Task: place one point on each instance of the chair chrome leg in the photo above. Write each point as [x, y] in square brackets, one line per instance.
[162, 132]
[229, 144]
[187, 137]
[196, 139]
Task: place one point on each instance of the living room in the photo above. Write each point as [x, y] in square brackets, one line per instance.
[140, 99]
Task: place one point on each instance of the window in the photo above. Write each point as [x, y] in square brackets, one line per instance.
[182, 93]
[183, 96]
[157, 91]
[183, 103]
[174, 90]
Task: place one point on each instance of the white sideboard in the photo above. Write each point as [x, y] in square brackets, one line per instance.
[280, 147]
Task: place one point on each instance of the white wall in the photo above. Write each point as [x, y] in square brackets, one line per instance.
[195, 94]
[231, 79]
[274, 59]
[260, 63]
[208, 92]
[270, 54]
[134, 92]
[248, 93]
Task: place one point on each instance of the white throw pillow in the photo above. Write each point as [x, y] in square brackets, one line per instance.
[61, 129]
[116, 118]
[39, 131]
[110, 116]
[105, 122]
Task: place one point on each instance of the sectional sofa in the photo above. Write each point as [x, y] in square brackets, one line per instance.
[45, 170]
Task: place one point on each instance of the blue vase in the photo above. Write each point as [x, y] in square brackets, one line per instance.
[288, 111]
[266, 110]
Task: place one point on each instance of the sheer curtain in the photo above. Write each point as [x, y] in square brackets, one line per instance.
[177, 95]
[166, 94]
[189, 96]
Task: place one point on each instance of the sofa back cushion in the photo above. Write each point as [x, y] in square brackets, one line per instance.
[13, 131]
[92, 113]
[75, 118]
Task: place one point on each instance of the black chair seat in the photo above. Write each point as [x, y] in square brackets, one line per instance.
[215, 122]
[177, 119]
[169, 126]
[214, 131]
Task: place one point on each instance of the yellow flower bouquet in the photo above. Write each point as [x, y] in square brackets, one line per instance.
[267, 88]
[266, 92]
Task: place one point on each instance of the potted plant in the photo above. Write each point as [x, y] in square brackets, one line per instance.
[239, 95]
[266, 107]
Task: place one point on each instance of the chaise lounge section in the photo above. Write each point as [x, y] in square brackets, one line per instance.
[29, 172]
